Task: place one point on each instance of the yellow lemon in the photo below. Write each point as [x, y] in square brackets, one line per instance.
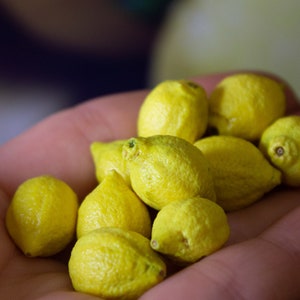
[174, 107]
[244, 105]
[186, 230]
[41, 217]
[242, 174]
[113, 204]
[166, 168]
[280, 143]
[108, 156]
[114, 263]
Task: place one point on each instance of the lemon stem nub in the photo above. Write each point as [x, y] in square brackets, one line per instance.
[154, 244]
[279, 151]
[162, 273]
[192, 84]
[131, 143]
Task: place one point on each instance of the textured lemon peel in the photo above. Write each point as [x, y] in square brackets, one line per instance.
[198, 228]
[163, 162]
[126, 264]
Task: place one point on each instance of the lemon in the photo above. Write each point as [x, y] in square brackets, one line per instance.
[41, 218]
[174, 107]
[244, 105]
[280, 143]
[108, 156]
[165, 168]
[186, 230]
[113, 204]
[115, 263]
[242, 174]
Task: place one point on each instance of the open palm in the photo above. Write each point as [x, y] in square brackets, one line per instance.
[260, 261]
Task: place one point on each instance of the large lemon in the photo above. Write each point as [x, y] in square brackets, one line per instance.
[41, 217]
[174, 107]
[113, 204]
[244, 105]
[166, 168]
[242, 174]
[115, 263]
[186, 230]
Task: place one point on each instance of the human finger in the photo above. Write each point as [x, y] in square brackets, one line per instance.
[251, 221]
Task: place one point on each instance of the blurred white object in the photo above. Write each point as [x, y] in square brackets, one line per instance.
[205, 36]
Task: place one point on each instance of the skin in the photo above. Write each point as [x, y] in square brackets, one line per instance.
[260, 261]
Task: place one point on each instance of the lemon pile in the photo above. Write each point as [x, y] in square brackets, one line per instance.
[165, 193]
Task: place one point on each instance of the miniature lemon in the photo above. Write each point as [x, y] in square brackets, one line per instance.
[114, 263]
[41, 217]
[108, 156]
[280, 143]
[186, 230]
[242, 174]
[166, 168]
[244, 105]
[113, 204]
[174, 107]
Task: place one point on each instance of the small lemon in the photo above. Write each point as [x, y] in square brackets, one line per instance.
[244, 105]
[108, 156]
[113, 204]
[166, 168]
[280, 143]
[186, 230]
[114, 263]
[41, 217]
[174, 107]
[242, 174]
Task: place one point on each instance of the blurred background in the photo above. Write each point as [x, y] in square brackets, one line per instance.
[54, 54]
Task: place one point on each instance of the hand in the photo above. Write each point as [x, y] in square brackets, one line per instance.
[260, 261]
